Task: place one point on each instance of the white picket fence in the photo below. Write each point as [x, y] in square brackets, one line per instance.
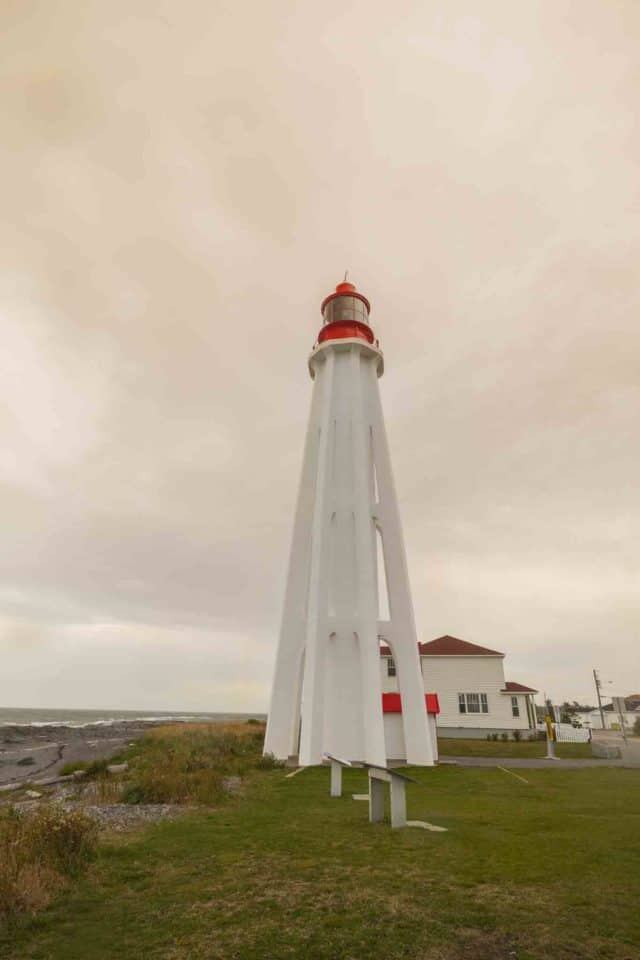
[565, 733]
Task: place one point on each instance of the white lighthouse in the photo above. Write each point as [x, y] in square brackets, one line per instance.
[347, 589]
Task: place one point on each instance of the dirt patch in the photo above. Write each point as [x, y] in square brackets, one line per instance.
[482, 945]
[492, 893]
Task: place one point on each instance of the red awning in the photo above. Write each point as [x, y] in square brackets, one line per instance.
[391, 703]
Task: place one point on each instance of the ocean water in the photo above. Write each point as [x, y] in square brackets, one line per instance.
[32, 717]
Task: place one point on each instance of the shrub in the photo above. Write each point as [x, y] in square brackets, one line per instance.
[65, 839]
[517, 736]
[174, 782]
[268, 762]
[504, 737]
[38, 851]
[92, 768]
[189, 764]
[72, 767]
[98, 767]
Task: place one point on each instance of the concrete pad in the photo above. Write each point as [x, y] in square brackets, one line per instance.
[426, 826]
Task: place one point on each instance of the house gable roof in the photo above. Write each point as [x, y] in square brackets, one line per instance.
[453, 647]
[512, 687]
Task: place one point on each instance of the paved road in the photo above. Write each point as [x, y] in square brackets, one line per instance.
[631, 753]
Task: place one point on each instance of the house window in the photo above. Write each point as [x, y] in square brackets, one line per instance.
[515, 707]
[391, 667]
[473, 703]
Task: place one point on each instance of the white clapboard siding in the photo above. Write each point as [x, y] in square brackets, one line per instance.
[449, 676]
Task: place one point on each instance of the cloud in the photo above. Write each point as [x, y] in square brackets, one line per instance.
[181, 187]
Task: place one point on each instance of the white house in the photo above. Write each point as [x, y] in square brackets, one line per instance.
[612, 716]
[473, 696]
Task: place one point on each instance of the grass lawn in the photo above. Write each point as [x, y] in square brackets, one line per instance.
[452, 747]
[544, 869]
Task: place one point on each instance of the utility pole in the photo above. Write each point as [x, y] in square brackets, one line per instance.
[620, 704]
[596, 679]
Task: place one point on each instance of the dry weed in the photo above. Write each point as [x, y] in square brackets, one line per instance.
[38, 850]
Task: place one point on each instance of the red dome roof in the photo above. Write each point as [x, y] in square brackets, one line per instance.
[345, 289]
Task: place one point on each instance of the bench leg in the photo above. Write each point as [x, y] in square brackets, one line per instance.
[376, 800]
[336, 779]
[398, 804]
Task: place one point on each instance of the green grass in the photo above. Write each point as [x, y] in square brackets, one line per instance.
[547, 868]
[452, 747]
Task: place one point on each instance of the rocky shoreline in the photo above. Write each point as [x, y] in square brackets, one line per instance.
[31, 759]
[30, 752]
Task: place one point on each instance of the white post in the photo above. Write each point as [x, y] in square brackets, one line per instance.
[550, 745]
[336, 779]
[376, 800]
[398, 793]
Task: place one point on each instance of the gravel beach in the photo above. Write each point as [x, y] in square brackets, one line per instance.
[30, 753]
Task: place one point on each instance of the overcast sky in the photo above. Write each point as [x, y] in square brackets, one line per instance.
[182, 183]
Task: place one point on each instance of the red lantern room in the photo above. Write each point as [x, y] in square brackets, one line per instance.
[346, 315]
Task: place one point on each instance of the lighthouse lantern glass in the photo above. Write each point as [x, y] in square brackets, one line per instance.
[345, 310]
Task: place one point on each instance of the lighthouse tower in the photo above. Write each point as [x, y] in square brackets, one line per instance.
[347, 589]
